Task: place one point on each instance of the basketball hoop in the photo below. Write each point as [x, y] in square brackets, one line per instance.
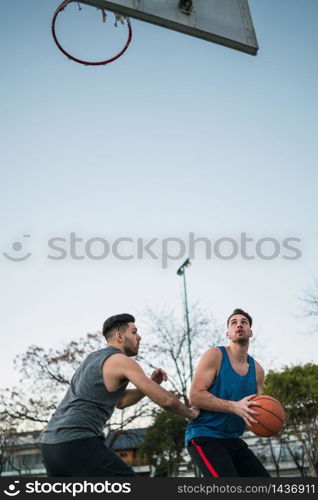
[80, 61]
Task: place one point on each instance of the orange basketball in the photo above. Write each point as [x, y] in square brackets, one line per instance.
[271, 416]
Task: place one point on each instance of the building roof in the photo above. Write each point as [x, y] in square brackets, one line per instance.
[123, 440]
[29, 439]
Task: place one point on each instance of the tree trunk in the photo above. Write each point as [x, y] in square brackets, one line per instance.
[299, 466]
[276, 462]
[312, 463]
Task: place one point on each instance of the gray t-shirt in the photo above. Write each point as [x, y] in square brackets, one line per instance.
[87, 405]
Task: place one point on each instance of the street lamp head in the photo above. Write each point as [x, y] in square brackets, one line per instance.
[181, 269]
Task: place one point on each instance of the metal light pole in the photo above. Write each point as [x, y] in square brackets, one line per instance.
[181, 272]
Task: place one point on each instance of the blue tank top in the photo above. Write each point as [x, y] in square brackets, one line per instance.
[230, 386]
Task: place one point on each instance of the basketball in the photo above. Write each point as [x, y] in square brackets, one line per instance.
[271, 416]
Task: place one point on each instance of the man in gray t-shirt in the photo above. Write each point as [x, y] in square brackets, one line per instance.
[73, 443]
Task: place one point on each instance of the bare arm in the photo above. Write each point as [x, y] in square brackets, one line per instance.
[129, 398]
[129, 369]
[132, 396]
[260, 376]
[200, 396]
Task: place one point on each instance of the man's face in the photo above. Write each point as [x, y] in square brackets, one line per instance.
[131, 340]
[239, 330]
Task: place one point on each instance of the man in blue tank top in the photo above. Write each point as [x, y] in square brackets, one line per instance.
[73, 444]
[225, 381]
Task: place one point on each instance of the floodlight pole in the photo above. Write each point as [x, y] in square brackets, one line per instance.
[181, 272]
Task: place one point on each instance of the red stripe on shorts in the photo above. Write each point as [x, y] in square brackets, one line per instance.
[205, 460]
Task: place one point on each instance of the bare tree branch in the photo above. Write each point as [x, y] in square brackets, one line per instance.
[171, 352]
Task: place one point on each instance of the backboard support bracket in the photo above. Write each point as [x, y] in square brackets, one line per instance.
[186, 6]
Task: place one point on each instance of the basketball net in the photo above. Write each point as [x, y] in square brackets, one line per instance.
[118, 19]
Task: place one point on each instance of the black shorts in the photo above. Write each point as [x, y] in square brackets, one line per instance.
[88, 457]
[222, 457]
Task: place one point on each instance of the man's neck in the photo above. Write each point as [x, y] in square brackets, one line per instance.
[238, 352]
[114, 344]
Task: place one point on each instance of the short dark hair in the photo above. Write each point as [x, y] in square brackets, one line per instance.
[117, 322]
[243, 313]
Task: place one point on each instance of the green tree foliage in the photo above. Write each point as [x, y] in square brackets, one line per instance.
[296, 388]
[164, 443]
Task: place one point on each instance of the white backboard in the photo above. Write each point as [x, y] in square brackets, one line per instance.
[226, 22]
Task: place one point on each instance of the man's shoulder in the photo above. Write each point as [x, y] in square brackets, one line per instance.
[212, 356]
[215, 351]
[258, 366]
[100, 353]
[99, 357]
[118, 358]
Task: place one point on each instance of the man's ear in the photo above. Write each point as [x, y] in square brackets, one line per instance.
[251, 331]
[119, 336]
[227, 334]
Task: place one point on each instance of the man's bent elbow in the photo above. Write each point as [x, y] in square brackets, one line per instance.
[193, 399]
[169, 404]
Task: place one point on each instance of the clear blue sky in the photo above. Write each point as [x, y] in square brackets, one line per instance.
[177, 136]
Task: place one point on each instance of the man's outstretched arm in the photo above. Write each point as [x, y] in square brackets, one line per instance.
[132, 396]
[129, 369]
[129, 398]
